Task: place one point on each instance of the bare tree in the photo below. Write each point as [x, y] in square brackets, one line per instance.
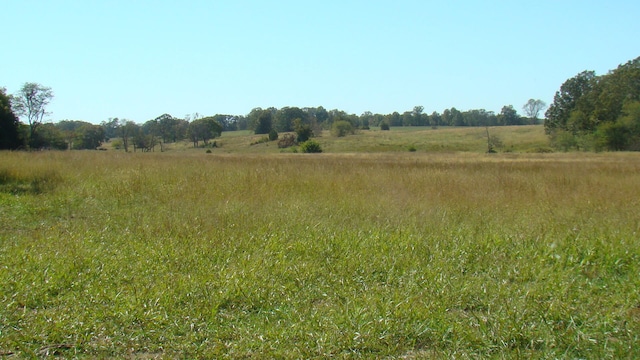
[31, 102]
[533, 108]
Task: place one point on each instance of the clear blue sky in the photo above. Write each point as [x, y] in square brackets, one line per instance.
[140, 59]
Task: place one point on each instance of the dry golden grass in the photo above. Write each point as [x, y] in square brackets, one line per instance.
[187, 254]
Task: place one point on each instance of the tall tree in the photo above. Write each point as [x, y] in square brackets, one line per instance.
[31, 102]
[89, 136]
[204, 129]
[283, 119]
[509, 116]
[263, 121]
[128, 129]
[570, 97]
[111, 128]
[418, 119]
[533, 108]
[9, 123]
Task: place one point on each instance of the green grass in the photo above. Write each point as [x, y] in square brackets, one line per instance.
[410, 255]
[398, 139]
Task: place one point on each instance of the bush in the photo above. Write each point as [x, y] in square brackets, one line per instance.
[341, 128]
[286, 141]
[310, 146]
[412, 148]
[273, 135]
[384, 126]
[304, 133]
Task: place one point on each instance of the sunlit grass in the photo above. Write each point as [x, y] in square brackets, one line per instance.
[399, 139]
[408, 255]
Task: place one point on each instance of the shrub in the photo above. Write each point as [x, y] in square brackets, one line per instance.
[341, 128]
[286, 141]
[310, 146]
[412, 148]
[273, 135]
[384, 126]
[304, 133]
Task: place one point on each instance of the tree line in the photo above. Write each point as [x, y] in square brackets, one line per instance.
[592, 112]
[31, 100]
[588, 112]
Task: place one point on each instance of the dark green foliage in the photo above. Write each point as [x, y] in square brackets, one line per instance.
[284, 119]
[509, 116]
[49, 136]
[79, 135]
[89, 137]
[9, 124]
[264, 122]
[303, 131]
[168, 128]
[623, 134]
[569, 99]
[273, 135]
[204, 129]
[384, 125]
[597, 111]
[310, 146]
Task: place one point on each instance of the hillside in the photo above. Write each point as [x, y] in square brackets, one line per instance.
[530, 138]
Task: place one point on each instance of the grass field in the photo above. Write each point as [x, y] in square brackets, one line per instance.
[388, 255]
[530, 139]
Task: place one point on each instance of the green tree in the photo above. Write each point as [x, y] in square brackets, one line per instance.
[128, 129]
[111, 128]
[204, 129]
[303, 131]
[273, 135]
[341, 128]
[263, 122]
[455, 117]
[165, 128]
[509, 116]
[89, 137]
[394, 119]
[418, 116]
[623, 134]
[9, 123]
[570, 97]
[31, 102]
[435, 119]
[50, 137]
[284, 118]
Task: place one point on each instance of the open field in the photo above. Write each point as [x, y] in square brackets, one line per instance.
[528, 139]
[388, 255]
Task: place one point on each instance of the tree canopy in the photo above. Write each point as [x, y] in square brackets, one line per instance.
[9, 123]
[598, 111]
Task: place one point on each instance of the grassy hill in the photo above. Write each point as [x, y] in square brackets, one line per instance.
[398, 139]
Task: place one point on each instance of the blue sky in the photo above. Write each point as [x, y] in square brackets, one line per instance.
[140, 59]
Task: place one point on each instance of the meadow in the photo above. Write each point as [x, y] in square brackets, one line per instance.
[344, 255]
[527, 139]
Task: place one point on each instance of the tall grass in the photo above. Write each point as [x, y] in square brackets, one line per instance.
[311, 256]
